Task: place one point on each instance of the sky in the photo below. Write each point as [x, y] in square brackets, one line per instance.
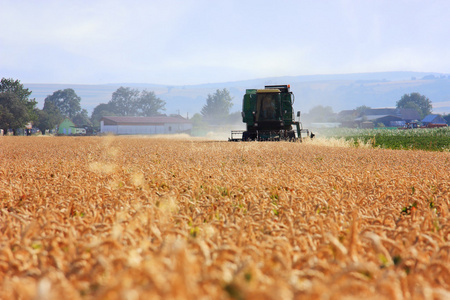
[189, 42]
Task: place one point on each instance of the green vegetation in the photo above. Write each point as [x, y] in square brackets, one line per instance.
[126, 101]
[16, 108]
[436, 139]
[217, 107]
[61, 104]
[416, 101]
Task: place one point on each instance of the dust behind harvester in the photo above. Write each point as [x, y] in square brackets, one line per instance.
[269, 116]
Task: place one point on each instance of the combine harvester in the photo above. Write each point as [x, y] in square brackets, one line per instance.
[269, 116]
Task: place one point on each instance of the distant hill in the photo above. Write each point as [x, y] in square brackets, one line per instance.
[345, 91]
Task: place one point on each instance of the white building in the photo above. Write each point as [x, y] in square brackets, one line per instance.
[145, 125]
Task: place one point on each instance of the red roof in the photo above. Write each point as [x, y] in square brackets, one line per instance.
[143, 120]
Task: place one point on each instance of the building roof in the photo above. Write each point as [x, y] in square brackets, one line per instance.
[433, 118]
[380, 111]
[404, 113]
[377, 117]
[66, 122]
[158, 120]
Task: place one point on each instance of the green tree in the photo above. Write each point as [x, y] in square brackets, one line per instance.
[197, 121]
[132, 102]
[124, 101]
[361, 110]
[100, 111]
[14, 86]
[217, 106]
[416, 101]
[16, 109]
[82, 119]
[13, 114]
[48, 117]
[149, 105]
[199, 126]
[320, 113]
[67, 101]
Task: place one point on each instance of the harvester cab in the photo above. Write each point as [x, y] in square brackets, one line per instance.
[269, 116]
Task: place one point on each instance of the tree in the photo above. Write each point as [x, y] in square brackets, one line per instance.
[217, 106]
[82, 119]
[132, 102]
[44, 121]
[13, 114]
[128, 102]
[197, 121]
[361, 110]
[14, 86]
[16, 109]
[67, 101]
[149, 104]
[48, 117]
[199, 126]
[416, 101]
[124, 101]
[320, 113]
[100, 111]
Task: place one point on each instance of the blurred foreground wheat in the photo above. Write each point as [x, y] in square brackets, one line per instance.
[137, 218]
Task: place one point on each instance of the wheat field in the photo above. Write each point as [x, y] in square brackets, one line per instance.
[156, 218]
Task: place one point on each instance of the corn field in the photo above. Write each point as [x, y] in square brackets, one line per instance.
[157, 218]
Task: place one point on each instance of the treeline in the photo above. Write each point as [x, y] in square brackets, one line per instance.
[17, 109]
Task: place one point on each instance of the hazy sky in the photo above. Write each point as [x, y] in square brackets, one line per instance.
[195, 41]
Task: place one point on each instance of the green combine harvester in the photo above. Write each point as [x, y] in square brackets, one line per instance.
[269, 116]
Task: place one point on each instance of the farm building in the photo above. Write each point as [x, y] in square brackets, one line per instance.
[145, 125]
[433, 119]
[390, 117]
[387, 120]
[69, 128]
[406, 114]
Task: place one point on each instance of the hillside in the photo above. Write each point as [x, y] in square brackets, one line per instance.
[344, 91]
